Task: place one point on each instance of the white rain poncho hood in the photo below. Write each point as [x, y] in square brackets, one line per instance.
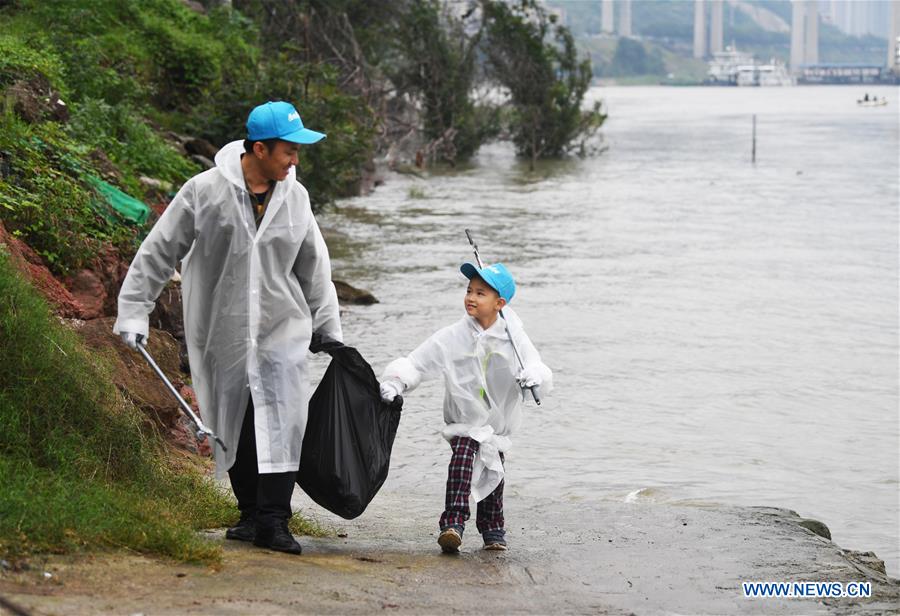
[252, 299]
[482, 400]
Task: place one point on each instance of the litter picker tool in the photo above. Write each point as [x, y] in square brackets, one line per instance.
[202, 430]
[534, 388]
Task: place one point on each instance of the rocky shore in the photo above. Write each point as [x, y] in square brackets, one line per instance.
[598, 558]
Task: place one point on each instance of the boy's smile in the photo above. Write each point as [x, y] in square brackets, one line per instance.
[482, 302]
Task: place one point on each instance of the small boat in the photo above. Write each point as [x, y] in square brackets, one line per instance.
[873, 102]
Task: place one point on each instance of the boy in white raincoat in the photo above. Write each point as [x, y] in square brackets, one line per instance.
[256, 283]
[483, 399]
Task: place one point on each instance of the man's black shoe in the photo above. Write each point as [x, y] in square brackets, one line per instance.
[244, 530]
[277, 538]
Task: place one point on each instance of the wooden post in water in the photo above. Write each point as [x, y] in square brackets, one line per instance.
[753, 150]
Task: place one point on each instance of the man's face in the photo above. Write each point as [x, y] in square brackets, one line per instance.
[276, 163]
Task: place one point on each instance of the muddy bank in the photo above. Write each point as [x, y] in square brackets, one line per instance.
[601, 558]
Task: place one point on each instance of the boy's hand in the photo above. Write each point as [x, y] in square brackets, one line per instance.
[529, 376]
[390, 390]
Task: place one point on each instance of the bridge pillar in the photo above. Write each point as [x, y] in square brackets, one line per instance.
[716, 26]
[625, 18]
[606, 17]
[811, 38]
[699, 29]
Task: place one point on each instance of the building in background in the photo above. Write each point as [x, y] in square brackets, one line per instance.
[858, 17]
[804, 33]
[893, 53]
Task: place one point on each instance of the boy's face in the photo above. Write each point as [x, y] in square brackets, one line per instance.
[482, 302]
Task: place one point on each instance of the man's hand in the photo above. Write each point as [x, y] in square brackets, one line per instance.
[391, 389]
[529, 376]
[132, 340]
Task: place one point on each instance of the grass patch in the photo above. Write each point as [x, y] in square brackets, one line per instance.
[76, 470]
[44, 510]
[300, 525]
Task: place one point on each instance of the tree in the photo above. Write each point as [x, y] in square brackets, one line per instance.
[536, 61]
[436, 55]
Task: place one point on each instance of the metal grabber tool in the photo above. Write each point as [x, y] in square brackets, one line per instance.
[202, 430]
[534, 388]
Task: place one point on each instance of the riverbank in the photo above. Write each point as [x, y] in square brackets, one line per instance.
[609, 558]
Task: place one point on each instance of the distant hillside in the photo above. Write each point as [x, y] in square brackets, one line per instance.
[666, 30]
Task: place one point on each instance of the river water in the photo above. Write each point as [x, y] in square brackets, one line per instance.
[720, 332]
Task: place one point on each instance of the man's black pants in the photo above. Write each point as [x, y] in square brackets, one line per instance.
[265, 496]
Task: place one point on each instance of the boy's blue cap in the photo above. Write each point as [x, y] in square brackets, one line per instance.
[279, 120]
[496, 275]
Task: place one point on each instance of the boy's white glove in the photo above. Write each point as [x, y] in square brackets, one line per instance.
[529, 376]
[390, 389]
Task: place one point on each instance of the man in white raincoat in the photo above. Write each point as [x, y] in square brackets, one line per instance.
[256, 283]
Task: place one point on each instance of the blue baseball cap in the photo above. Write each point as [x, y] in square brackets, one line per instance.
[496, 275]
[279, 120]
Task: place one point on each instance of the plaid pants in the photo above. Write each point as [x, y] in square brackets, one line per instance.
[489, 514]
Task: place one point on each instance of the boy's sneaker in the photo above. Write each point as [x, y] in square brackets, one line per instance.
[244, 530]
[450, 539]
[495, 540]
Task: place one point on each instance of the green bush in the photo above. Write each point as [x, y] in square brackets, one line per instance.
[129, 142]
[76, 470]
[101, 57]
[20, 61]
[126, 51]
[220, 115]
[45, 200]
[186, 66]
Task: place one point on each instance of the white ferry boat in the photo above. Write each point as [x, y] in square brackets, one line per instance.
[723, 68]
[735, 68]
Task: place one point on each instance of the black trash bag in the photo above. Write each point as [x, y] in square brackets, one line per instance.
[349, 434]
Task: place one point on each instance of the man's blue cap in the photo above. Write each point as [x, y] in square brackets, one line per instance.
[497, 277]
[279, 120]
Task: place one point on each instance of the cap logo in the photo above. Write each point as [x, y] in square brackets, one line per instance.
[293, 116]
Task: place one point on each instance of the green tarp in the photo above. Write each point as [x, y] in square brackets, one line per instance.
[127, 206]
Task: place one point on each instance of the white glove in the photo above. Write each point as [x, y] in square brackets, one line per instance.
[529, 376]
[391, 389]
[131, 340]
